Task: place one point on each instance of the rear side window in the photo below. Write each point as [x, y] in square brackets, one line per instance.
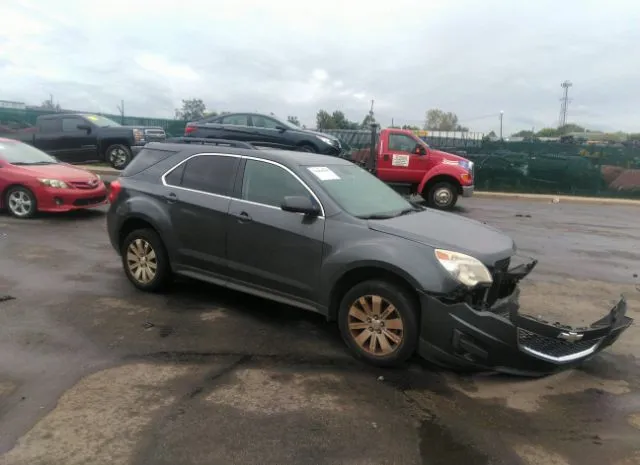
[50, 125]
[146, 159]
[210, 173]
[236, 120]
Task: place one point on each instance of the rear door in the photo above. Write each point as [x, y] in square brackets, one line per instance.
[267, 133]
[269, 249]
[399, 162]
[198, 192]
[238, 127]
[77, 145]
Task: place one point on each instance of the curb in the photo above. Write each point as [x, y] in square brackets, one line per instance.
[107, 171]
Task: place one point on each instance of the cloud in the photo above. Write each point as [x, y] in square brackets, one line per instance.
[293, 58]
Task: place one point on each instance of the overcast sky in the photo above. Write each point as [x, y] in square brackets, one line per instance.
[474, 58]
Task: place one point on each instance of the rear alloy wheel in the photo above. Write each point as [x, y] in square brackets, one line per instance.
[21, 202]
[442, 195]
[378, 321]
[145, 260]
[118, 156]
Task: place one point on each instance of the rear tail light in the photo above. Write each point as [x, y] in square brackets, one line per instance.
[189, 129]
[114, 190]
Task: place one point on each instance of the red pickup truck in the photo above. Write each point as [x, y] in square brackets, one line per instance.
[410, 166]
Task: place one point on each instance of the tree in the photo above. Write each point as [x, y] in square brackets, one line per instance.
[548, 132]
[192, 109]
[294, 120]
[410, 127]
[438, 120]
[335, 120]
[368, 120]
[526, 134]
[570, 127]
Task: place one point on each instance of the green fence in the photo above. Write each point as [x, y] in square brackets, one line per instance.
[537, 167]
[13, 120]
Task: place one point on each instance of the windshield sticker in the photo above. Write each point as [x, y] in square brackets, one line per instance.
[323, 173]
[92, 118]
[399, 160]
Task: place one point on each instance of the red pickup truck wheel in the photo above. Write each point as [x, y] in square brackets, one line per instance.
[442, 195]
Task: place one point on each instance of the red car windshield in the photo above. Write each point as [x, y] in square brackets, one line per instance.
[17, 153]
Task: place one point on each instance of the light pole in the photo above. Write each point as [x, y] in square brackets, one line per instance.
[501, 115]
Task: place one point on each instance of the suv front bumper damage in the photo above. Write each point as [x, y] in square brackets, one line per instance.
[499, 338]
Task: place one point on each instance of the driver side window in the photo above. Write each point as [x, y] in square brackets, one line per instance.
[402, 143]
[269, 184]
[262, 122]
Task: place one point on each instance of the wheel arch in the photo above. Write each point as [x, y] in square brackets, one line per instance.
[106, 143]
[441, 178]
[367, 272]
[4, 192]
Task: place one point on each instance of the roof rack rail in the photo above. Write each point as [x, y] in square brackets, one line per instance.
[206, 141]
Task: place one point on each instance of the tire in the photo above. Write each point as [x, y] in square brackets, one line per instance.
[442, 195]
[307, 148]
[353, 318]
[20, 202]
[145, 241]
[118, 156]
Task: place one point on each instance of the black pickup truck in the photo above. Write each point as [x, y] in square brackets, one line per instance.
[79, 138]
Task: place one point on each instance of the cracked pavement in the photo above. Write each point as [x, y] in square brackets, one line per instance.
[93, 371]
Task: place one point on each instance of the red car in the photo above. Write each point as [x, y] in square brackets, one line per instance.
[32, 181]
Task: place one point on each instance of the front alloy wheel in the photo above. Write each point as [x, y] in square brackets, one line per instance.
[21, 202]
[379, 322]
[375, 325]
[119, 156]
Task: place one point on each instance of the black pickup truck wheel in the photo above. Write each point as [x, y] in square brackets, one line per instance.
[118, 156]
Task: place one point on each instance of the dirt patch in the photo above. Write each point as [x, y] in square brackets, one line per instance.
[100, 419]
[271, 392]
[538, 455]
[529, 395]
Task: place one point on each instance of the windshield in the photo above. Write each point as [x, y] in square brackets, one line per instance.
[359, 193]
[17, 153]
[101, 121]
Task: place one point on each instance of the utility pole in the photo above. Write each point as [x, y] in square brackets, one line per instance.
[501, 115]
[121, 110]
[564, 105]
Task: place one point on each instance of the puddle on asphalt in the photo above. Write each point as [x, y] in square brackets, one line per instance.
[438, 446]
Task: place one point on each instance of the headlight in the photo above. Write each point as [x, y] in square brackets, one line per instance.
[326, 140]
[468, 270]
[54, 183]
[138, 135]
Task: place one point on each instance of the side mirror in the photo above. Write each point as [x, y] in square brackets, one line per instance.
[84, 127]
[300, 204]
[281, 128]
[420, 150]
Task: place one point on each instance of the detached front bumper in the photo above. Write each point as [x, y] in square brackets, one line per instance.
[500, 338]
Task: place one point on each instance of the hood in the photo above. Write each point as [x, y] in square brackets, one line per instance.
[317, 133]
[446, 155]
[59, 171]
[451, 232]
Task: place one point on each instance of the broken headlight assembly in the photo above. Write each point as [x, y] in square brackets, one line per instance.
[464, 268]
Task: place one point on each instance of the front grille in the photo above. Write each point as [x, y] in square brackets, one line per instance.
[555, 349]
[89, 201]
[84, 185]
[153, 135]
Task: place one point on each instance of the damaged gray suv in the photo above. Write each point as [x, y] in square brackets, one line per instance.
[322, 234]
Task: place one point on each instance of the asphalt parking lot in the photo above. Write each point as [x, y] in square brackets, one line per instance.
[94, 372]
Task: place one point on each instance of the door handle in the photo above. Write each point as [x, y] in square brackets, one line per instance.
[171, 197]
[243, 217]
